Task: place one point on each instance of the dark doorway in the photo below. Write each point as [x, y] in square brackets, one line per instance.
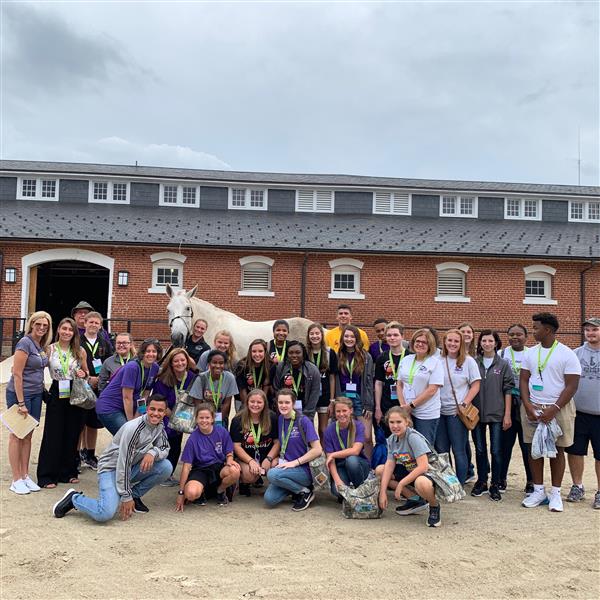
[62, 284]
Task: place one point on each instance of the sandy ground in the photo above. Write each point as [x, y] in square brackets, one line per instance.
[482, 550]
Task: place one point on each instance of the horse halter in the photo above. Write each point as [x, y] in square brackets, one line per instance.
[183, 319]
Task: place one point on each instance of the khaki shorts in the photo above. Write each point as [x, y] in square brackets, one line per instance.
[564, 417]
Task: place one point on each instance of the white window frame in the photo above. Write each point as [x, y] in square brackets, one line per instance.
[109, 192]
[179, 201]
[521, 216]
[452, 266]
[586, 211]
[346, 266]
[541, 273]
[394, 197]
[166, 260]
[38, 188]
[458, 198]
[263, 260]
[247, 192]
[315, 193]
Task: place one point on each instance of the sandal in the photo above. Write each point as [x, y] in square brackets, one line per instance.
[49, 486]
[73, 480]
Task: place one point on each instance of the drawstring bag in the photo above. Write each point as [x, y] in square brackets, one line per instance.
[82, 395]
[379, 455]
[318, 466]
[361, 502]
[183, 415]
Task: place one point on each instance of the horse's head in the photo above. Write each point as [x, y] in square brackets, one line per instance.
[180, 314]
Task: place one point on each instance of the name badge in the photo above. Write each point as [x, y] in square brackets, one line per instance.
[219, 419]
[141, 406]
[64, 388]
[393, 393]
[409, 393]
[281, 461]
[97, 364]
[351, 390]
[536, 384]
[298, 407]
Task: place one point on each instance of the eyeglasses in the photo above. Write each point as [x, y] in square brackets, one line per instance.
[123, 343]
[423, 342]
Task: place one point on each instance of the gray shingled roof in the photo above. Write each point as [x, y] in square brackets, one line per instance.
[106, 224]
[296, 179]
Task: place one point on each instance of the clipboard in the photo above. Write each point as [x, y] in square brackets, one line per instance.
[16, 424]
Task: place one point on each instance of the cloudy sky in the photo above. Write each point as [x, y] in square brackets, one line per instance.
[497, 91]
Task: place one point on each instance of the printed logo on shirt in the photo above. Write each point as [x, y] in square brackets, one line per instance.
[497, 371]
[405, 459]
[458, 369]
[423, 369]
[219, 447]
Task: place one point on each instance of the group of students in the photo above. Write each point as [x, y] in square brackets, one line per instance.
[407, 393]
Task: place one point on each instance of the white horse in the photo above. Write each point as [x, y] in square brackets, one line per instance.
[184, 309]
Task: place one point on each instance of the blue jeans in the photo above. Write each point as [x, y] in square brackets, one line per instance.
[481, 454]
[508, 441]
[426, 427]
[453, 434]
[107, 504]
[33, 403]
[352, 470]
[283, 482]
[113, 421]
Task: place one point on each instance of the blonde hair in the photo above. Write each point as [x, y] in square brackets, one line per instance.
[394, 325]
[462, 351]
[265, 413]
[471, 349]
[231, 350]
[343, 401]
[431, 347]
[36, 316]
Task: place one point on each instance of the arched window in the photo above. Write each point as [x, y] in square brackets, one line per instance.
[452, 282]
[167, 268]
[538, 284]
[345, 278]
[256, 276]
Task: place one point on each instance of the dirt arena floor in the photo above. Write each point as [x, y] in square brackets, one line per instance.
[245, 551]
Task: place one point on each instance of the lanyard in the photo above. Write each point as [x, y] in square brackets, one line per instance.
[181, 386]
[542, 365]
[337, 430]
[260, 374]
[351, 368]
[317, 361]
[143, 372]
[124, 361]
[393, 364]
[218, 392]
[296, 382]
[286, 438]
[64, 358]
[256, 434]
[92, 348]
[281, 356]
[516, 369]
[412, 371]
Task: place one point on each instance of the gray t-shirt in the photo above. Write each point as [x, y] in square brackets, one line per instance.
[33, 372]
[405, 450]
[203, 390]
[587, 398]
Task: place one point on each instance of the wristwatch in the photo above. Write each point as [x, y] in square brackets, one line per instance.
[269, 459]
[411, 405]
[180, 493]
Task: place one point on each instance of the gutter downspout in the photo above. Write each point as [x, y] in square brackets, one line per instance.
[303, 285]
[582, 293]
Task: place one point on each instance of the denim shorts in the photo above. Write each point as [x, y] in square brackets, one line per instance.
[33, 403]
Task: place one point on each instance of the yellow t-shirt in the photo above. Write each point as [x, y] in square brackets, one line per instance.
[332, 338]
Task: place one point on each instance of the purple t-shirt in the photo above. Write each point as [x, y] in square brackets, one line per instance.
[345, 377]
[375, 349]
[33, 372]
[202, 450]
[128, 376]
[296, 446]
[332, 444]
[169, 393]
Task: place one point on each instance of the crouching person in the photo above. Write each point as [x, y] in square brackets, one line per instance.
[407, 464]
[208, 466]
[131, 466]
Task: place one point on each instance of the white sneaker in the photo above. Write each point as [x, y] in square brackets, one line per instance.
[536, 498]
[31, 484]
[556, 503]
[19, 487]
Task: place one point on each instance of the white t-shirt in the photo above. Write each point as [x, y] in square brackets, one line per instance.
[462, 378]
[429, 372]
[517, 356]
[563, 361]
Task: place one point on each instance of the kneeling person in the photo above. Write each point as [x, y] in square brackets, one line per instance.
[131, 466]
[208, 465]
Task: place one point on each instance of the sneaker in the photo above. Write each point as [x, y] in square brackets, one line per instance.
[200, 501]
[576, 494]
[31, 484]
[596, 502]
[528, 488]
[471, 478]
[303, 501]
[410, 507]
[65, 504]
[495, 493]
[479, 489]
[260, 482]
[222, 499]
[90, 460]
[139, 506]
[230, 492]
[19, 487]
[82, 460]
[171, 482]
[244, 490]
[555, 503]
[502, 486]
[434, 519]
[534, 499]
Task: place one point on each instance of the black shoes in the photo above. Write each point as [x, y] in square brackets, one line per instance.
[222, 499]
[434, 519]
[411, 507]
[303, 500]
[139, 506]
[479, 489]
[495, 493]
[65, 504]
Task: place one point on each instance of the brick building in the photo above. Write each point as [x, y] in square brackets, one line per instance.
[267, 245]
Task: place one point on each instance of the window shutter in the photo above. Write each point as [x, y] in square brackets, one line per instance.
[256, 277]
[324, 201]
[305, 200]
[383, 202]
[451, 282]
[401, 204]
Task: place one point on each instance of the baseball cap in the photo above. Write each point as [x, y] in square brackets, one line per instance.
[592, 321]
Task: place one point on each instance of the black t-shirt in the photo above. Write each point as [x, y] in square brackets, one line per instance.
[385, 374]
[99, 350]
[246, 439]
[290, 379]
[273, 350]
[332, 369]
[195, 349]
[245, 377]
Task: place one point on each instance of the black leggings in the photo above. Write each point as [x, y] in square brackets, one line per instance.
[175, 444]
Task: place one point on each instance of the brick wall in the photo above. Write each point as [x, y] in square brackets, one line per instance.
[395, 287]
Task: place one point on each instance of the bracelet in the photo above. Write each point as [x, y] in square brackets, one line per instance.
[269, 458]
[299, 463]
[20, 403]
[557, 406]
[252, 459]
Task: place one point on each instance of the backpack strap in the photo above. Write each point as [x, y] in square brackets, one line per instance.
[303, 433]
